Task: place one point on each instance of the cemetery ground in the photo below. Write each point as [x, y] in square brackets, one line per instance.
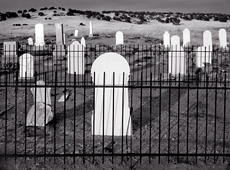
[72, 128]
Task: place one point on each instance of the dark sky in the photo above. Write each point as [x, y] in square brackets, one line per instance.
[205, 6]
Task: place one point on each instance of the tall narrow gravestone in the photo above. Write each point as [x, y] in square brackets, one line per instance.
[83, 41]
[41, 112]
[207, 40]
[59, 33]
[223, 38]
[39, 35]
[207, 43]
[186, 37]
[76, 33]
[75, 58]
[202, 57]
[112, 114]
[166, 39]
[90, 29]
[30, 41]
[119, 38]
[26, 62]
[176, 62]
[59, 51]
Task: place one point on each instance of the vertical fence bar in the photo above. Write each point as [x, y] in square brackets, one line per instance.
[169, 120]
[65, 119]
[25, 147]
[131, 141]
[122, 125]
[150, 118]
[94, 91]
[6, 91]
[215, 120]
[187, 119]
[35, 116]
[206, 120]
[225, 98]
[45, 121]
[16, 94]
[55, 93]
[178, 119]
[103, 120]
[84, 143]
[159, 144]
[197, 114]
[113, 116]
[74, 119]
[141, 117]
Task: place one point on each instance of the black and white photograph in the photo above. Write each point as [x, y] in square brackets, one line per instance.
[115, 85]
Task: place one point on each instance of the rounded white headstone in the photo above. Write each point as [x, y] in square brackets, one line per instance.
[119, 38]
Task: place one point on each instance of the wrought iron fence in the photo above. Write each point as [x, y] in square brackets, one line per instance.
[179, 118]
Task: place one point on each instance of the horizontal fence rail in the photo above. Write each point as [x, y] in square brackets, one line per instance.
[145, 114]
[162, 62]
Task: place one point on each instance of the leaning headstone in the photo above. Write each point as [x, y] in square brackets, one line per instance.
[10, 52]
[75, 58]
[177, 61]
[41, 112]
[39, 35]
[112, 113]
[30, 41]
[59, 34]
[202, 56]
[76, 33]
[223, 38]
[186, 37]
[26, 62]
[90, 29]
[166, 39]
[119, 38]
[83, 41]
[207, 40]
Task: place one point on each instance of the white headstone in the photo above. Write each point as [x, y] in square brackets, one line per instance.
[177, 61]
[59, 34]
[202, 56]
[83, 41]
[10, 49]
[175, 41]
[42, 94]
[223, 38]
[41, 112]
[111, 104]
[186, 37]
[76, 33]
[39, 35]
[26, 62]
[75, 58]
[119, 38]
[90, 29]
[166, 39]
[30, 41]
[207, 40]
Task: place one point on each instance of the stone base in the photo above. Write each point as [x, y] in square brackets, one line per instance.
[59, 52]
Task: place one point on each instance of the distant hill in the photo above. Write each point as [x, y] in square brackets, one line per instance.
[122, 16]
